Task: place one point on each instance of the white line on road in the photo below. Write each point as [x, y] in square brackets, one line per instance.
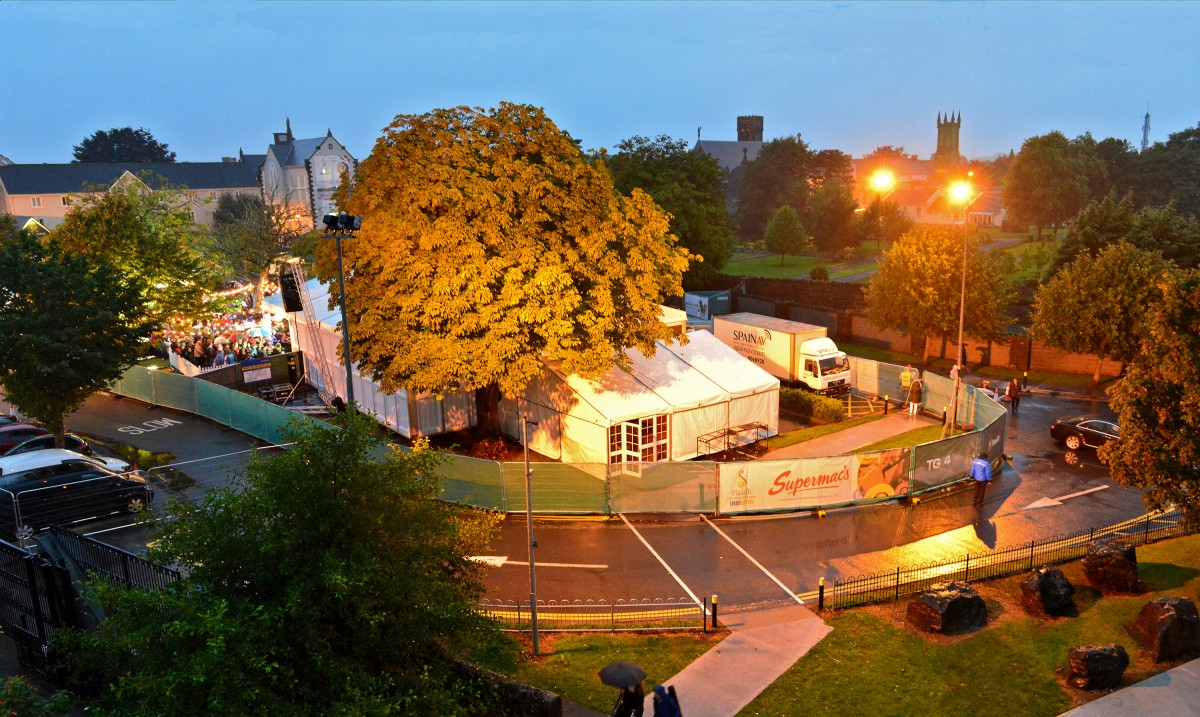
[1051, 502]
[560, 565]
[653, 552]
[749, 557]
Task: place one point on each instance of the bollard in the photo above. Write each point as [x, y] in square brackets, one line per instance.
[1025, 382]
[714, 612]
[821, 594]
[885, 405]
[945, 415]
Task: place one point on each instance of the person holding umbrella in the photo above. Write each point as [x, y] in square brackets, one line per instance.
[626, 677]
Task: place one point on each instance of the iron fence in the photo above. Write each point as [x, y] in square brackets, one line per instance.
[36, 598]
[117, 567]
[598, 615]
[902, 581]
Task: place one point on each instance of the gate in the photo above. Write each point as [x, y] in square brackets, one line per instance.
[36, 597]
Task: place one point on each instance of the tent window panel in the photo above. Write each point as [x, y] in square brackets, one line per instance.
[661, 429]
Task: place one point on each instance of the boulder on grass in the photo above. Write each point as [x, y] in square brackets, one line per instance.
[1097, 667]
[1111, 566]
[1168, 628]
[1046, 591]
[948, 608]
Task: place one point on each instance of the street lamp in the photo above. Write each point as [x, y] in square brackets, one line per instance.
[961, 193]
[525, 424]
[883, 181]
[340, 225]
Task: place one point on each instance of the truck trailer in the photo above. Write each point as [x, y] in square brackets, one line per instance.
[791, 351]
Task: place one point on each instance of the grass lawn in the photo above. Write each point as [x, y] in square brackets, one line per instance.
[794, 267]
[808, 433]
[871, 664]
[905, 440]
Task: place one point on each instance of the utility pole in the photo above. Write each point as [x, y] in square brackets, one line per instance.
[525, 424]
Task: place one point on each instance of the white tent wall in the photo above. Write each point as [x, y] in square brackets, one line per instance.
[756, 408]
[690, 424]
[569, 429]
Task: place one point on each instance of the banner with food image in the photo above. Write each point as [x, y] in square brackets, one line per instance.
[883, 474]
[780, 485]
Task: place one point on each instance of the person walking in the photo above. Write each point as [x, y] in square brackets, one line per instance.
[666, 704]
[981, 473]
[915, 391]
[631, 703]
[906, 377]
[1014, 394]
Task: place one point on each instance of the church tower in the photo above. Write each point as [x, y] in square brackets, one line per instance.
[947, 143]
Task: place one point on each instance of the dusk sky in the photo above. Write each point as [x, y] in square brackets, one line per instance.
[210, 77]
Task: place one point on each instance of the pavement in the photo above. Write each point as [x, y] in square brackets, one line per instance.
[1175, 692]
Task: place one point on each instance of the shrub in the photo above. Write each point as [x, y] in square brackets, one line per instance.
[807, 403]
[819, 273]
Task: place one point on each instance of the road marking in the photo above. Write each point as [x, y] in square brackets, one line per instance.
[749, 557]
[540, 564]
[1051, 502]
[494, 561]
[658, 557]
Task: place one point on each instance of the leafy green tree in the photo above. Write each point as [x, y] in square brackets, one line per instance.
[1158, 403]
[490, 244]
[779, 175]
[151, 238]
[1104, 222]
[832, 165]
[785, 235]
[1097, 304]
[688, 185]
[1169, 173]
[882, 221]
[327, 582]
[1051, 180]
[71, 325]
[917, 288]
[830, 216]
[122, 144]
[249, 236]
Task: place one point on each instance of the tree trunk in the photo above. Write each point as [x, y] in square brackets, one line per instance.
[781, 259]
[487, 409]
[263, 278]
[1096, 376]
[1039, 232]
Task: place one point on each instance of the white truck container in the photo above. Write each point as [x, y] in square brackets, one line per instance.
[789, 350]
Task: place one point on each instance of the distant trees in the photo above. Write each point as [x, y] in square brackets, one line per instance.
[249, 235]
[882, 221]
[1097, 303]
[122, 144]
[1050, 180]
[72, 324]
[788, 172]
[688, 185]
[1159, 450]
[785, 235]
[1104, 222]
[830, 215]
[917, 286]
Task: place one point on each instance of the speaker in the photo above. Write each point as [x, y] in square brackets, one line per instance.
[291, 292]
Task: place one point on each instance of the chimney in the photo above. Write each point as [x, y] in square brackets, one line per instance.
[750, 128]
[228, 159]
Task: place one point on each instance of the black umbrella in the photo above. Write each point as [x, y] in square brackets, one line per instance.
[622, 674]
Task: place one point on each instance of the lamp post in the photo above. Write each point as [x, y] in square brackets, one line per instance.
[340, 225]
[525, 424]
[960, 193]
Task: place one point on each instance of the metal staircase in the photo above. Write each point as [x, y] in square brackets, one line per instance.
[316, 354]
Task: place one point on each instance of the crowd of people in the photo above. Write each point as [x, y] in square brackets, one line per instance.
[225, 339]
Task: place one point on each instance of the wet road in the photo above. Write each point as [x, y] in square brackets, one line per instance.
[755, 560]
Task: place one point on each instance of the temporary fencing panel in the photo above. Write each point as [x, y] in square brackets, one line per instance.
[175, 391]
[558, 487]
[883, 474]
[786, 485]
[689, 487]
[472, 481]
[944, 461]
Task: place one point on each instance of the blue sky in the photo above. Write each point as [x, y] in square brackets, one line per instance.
[208, 77]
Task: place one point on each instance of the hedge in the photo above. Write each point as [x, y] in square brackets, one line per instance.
[813, 405]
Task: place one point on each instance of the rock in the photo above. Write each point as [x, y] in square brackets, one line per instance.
[1167, 628]
[1111, 566]
[1046, 591]
[949, 608]
[1097, 667]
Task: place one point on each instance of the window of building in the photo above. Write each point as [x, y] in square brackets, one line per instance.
[643, 440]
[35, 201]
[66, 201]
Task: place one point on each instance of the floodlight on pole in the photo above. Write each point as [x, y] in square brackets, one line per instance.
[883, 181]
[961, 193]
[343, 225]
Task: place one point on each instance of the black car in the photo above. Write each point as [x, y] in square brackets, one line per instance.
[65, 493]
[1085, 431]
[71, 442]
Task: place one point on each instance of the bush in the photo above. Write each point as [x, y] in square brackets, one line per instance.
[807, 403]
[819, 273]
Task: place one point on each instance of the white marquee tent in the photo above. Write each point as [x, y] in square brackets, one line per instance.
[685, 401]
[412, 416]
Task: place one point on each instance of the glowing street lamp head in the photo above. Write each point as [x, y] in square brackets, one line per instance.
[882, 180]
[960, 192]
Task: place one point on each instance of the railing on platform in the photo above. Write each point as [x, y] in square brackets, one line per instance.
[598, 615]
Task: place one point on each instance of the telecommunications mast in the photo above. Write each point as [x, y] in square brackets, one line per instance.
[1146, 131]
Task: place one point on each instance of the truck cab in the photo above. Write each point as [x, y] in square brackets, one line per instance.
[824, 368]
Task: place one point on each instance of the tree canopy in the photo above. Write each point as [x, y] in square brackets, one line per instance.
[151, 238]
[327, 582]
[1097, 304]
[688, 185]
[249, 235]
[785, 235]
[778, 176]
[830, 216]
[491, 243]
[71, 325]
[917, 286]
[1051, 179]
[122, 144]
[1158, 403]
[882, 221]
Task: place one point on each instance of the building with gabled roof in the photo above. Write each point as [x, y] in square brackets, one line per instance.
[305, 173]
[733, 155]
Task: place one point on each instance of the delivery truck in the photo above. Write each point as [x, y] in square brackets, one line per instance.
[792, 351]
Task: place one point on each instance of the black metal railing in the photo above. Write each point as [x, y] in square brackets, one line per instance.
[36, 597]
[598, 615]
[901, 581]
[117, 567]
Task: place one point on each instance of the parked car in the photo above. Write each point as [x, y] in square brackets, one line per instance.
[1085, 431]
[17, 461]
[13, 433]
[72, 491]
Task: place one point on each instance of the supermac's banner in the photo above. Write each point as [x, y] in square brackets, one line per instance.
[780, 485]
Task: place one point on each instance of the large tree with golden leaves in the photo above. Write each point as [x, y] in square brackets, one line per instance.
[491, 243]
